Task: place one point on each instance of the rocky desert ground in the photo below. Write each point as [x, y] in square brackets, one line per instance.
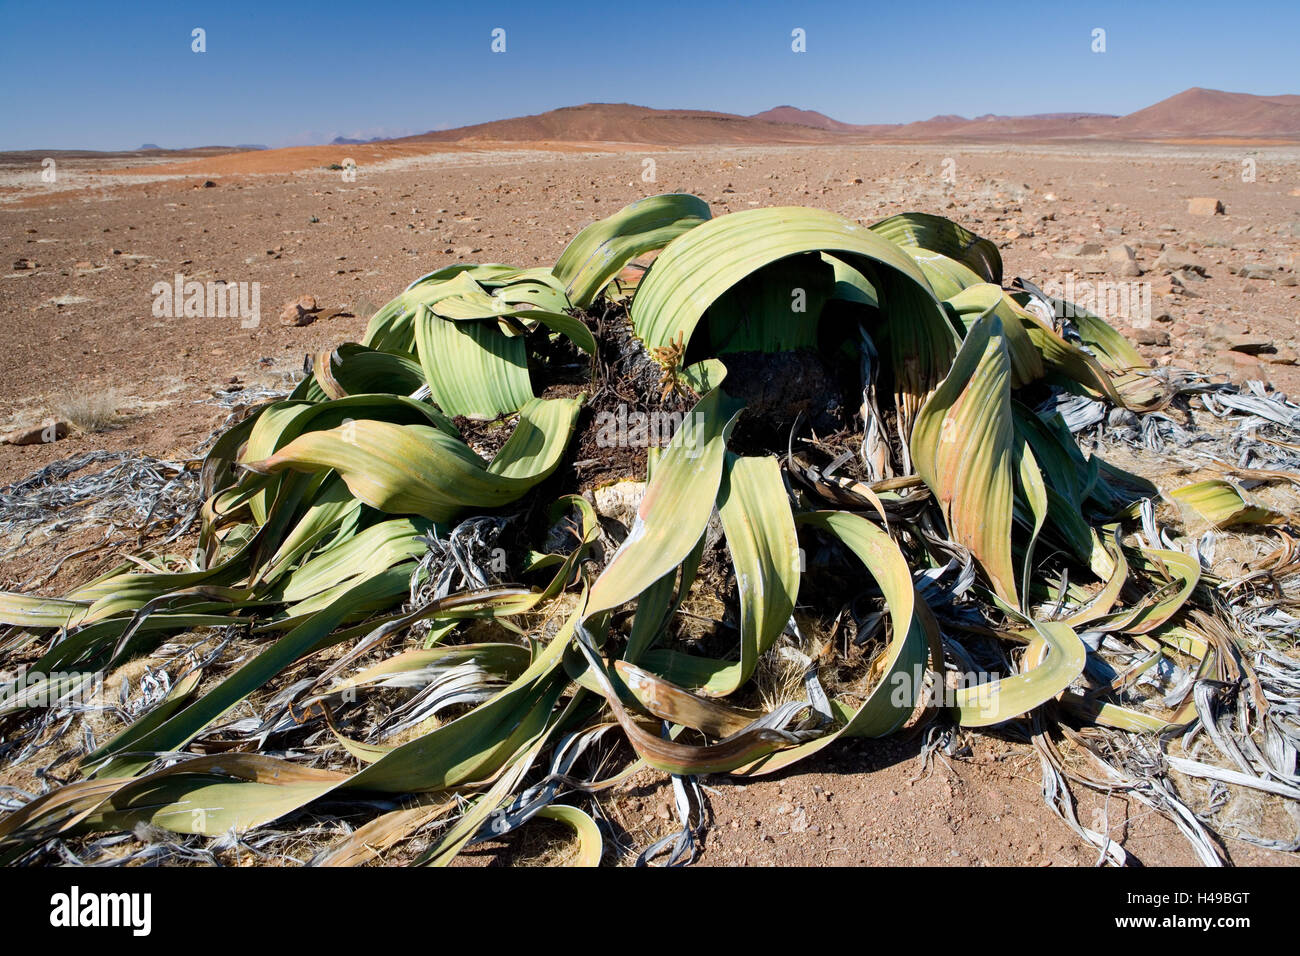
[80, 258]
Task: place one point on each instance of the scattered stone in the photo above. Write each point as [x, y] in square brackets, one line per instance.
[299, 312]
[1085, 264]
[1204, 206]
[1156, 337]
[1172, 285]
[38, 435]
[1245, 343]
[1238, 368]
[21, 264]
[1083, 249]
[1175, 260]
[1256, 271]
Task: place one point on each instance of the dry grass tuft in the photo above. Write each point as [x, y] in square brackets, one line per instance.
[93, 411]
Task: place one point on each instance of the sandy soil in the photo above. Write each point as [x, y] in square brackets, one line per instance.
[78, 265]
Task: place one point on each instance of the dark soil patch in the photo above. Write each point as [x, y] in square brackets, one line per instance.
[784, 388]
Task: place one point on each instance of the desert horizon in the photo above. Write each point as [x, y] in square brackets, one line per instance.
[1196, 115]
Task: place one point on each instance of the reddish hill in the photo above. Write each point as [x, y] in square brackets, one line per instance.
[1191, 115]
[1213, 113]
[624, 123]
[798, 117]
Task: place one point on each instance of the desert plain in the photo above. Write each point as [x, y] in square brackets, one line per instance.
[80, 258]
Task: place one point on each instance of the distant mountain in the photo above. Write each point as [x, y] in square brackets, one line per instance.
[1200, 113]
[1196, 114]
[791, 114]
[241, 147]
[624, 123]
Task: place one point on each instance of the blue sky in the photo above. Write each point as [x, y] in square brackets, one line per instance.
[113, 76]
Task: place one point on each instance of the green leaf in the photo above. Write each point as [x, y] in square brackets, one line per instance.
[414, 469]
[963, 446]
[599, 252]
[675, 508]
[919, 230]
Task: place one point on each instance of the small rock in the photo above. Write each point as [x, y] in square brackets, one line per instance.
[1083, 249]
[300, 312]
[1168, 285]
[1204, 206]
[1255, 271]
[1156, 337]
[1121, 253]
[1238, 368]
[21, 264]
[1087, 264]
[1173, 260]
[37, 435]
[1243, 343]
